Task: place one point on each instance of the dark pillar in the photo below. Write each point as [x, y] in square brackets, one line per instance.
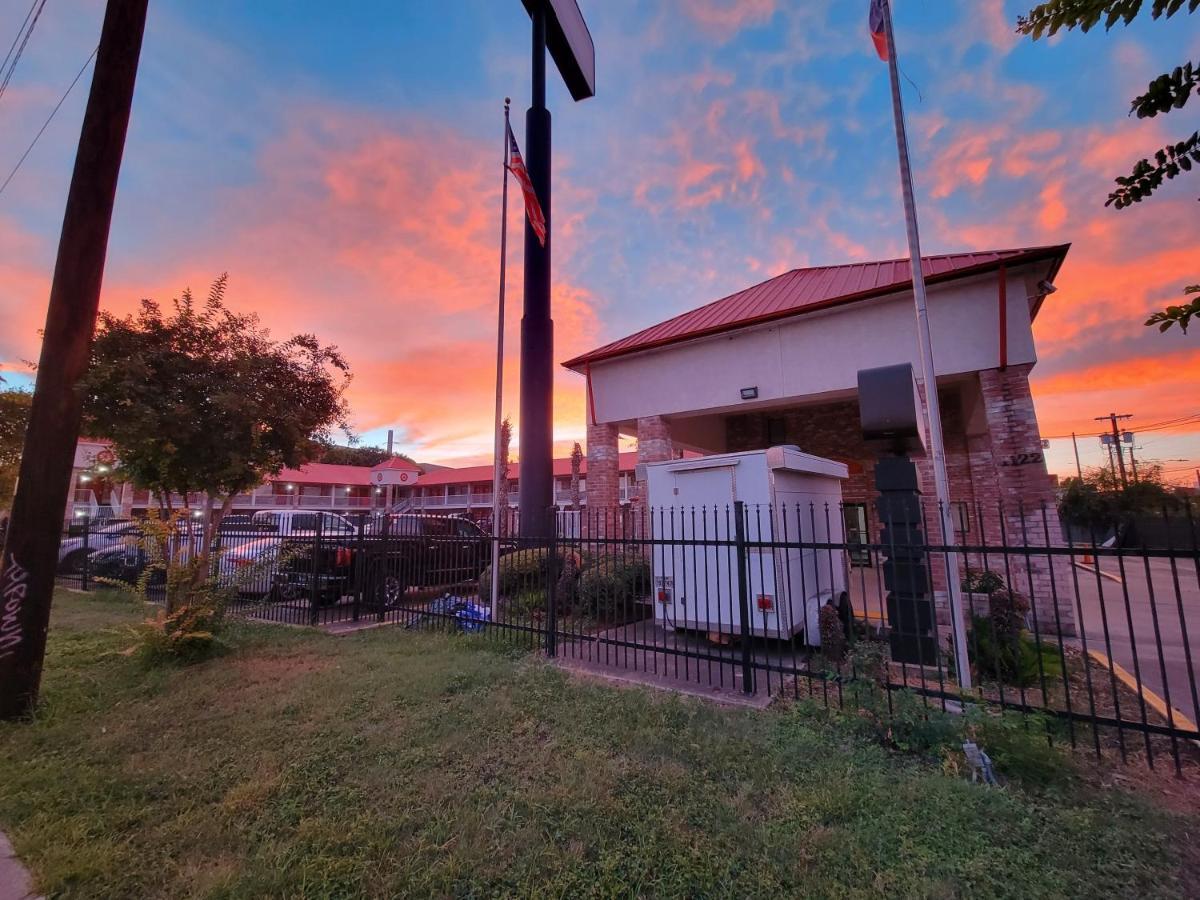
[905, 565]
[537, 328]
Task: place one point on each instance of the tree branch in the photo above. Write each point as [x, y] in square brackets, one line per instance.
[1147, 176]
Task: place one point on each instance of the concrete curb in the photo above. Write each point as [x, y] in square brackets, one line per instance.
[15, 881]
[1153, 700]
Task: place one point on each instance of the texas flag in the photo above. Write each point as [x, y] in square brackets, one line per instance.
[533, 209]
[876, 19]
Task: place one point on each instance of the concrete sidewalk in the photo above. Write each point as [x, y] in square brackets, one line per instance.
[15, 882]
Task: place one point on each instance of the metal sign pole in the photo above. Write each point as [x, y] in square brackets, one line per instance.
[928, 372]
[499, 504]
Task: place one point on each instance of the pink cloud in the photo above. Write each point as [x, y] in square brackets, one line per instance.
[724, 18]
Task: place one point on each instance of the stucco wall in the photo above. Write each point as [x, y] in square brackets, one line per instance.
[818, 353]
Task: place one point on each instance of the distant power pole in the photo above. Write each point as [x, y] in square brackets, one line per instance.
[1078, 467]
[35, 527]
[1116, 444]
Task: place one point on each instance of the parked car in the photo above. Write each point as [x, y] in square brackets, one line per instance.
[124, 563]
[73, 551]
[303, 522]
[397, 552]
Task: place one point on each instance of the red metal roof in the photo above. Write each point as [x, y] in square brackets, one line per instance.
[475, 474]
[326, 473]
[396, 462]
[806, 290]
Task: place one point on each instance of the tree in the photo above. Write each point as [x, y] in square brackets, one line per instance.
[1098, 501]
[1167, 92]
[1180, 315]
[357, 456]
[502, 501]
[203, 401]
[14, 416]
[576, 468]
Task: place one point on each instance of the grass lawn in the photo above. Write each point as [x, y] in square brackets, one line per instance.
[391, 763]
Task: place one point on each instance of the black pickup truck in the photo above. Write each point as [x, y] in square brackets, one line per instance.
[392, 554]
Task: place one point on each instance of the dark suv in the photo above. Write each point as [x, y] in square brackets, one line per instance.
[392, 554]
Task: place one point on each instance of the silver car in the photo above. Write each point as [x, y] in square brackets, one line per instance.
[73, 551]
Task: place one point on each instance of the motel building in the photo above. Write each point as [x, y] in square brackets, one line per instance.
[777, 363]
[395, 485]
[343, 489]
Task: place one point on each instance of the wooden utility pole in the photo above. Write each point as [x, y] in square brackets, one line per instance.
[1078, 467]
[1116, 441]
[30, 553]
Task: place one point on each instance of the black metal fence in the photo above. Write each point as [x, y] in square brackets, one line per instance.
[801, 602]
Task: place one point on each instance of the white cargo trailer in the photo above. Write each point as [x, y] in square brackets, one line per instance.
[789, 498]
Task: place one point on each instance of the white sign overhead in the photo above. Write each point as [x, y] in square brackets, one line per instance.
[570, 45]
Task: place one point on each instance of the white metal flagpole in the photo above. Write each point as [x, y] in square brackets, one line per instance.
[499, 504]
[928, 373]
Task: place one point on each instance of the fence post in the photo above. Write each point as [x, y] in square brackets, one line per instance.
[551, 599]
[743, 564]
[87, 553]
[314, 592]
[358, 570]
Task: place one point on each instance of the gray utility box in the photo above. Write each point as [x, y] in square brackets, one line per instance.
[791, 498]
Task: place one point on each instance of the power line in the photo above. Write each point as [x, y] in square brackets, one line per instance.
[1189, 419]
[57, 106]
[20, 50]
[17, 36]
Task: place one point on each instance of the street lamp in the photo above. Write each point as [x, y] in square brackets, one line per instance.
[558, 25]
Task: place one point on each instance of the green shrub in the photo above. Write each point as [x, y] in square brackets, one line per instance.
[1019, 746]
[186, 635]
[981, 581]
[1015, 659]
[833, 634]
[869, 661]
[901, 719]
[523, 571]
[610, 585]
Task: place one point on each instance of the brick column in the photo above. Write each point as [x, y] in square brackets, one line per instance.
[603, 467]
[654, 445]
[1027, 508]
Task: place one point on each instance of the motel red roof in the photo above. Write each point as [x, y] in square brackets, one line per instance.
[396, 462]
[475, 474]
[822, 287]
[326, 473]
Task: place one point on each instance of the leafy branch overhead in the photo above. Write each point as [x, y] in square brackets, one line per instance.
[1046, 19]
[1178, 315]
[1167, 92]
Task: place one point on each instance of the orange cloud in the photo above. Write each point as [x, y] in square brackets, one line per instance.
[358, 233]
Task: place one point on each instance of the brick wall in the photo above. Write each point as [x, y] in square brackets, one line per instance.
[1026, 513]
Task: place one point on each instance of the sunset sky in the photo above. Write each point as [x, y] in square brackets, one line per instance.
[342, 161]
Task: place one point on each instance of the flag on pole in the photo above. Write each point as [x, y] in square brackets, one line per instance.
[533, 209]
[875, 20]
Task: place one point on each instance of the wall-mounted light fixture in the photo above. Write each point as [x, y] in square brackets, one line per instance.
[750, 393]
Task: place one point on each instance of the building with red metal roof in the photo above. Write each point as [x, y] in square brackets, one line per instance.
[777, 363]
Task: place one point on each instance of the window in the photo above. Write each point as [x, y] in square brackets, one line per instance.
[857, 536]
[332, 524]
[304, 522]
[437, 526]
[467, 529]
